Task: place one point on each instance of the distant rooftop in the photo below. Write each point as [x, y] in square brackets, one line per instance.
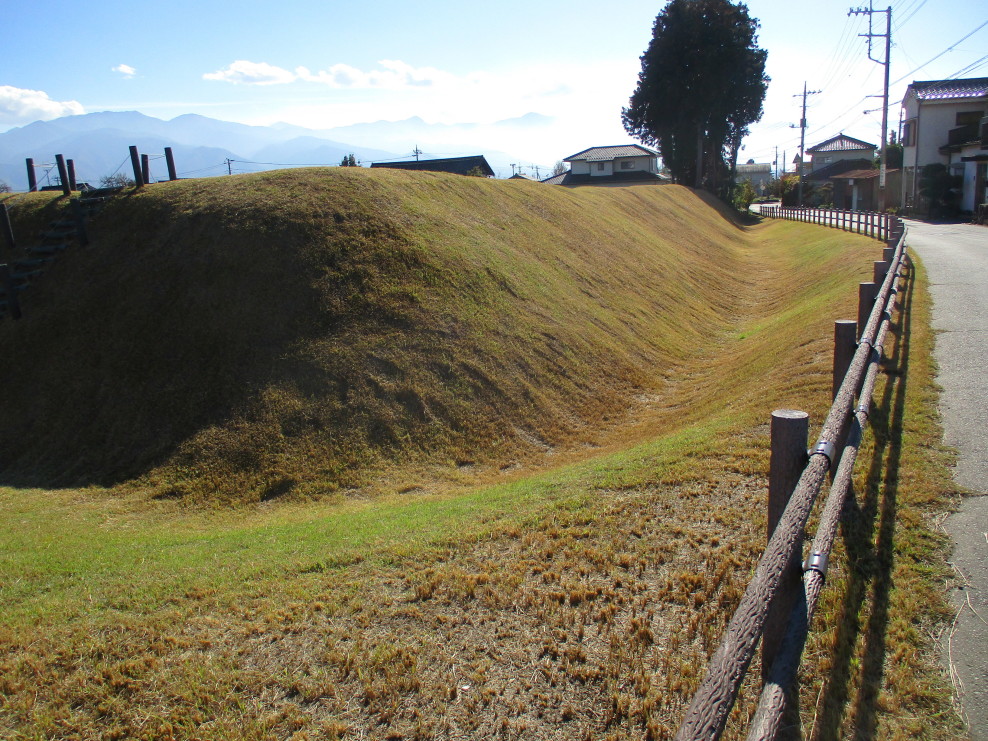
[973, 87]
[840, 143]
[600, 154]
[455, 165]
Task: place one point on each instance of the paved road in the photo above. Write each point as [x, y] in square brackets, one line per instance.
[956, 259]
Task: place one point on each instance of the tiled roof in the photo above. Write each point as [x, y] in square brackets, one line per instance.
[840, 143]
[974, 87]
[600, 154]
[638, 176]
[455, 165]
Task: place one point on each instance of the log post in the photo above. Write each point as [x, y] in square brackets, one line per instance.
[170, 161]
[63, 174]
[7, 228]
[888, 255]
[135, 163]
[146, 168]
[32, 179]
[867, 292]
[845, 345]
[7, 281]
[881, 269]
[70, 166]
[789, 433]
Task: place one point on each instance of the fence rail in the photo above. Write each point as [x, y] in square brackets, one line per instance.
[835, 450]
[871, 223]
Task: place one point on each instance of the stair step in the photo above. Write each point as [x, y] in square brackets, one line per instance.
[46, 249]
[24, 276]
[18, 288]
[32, 262]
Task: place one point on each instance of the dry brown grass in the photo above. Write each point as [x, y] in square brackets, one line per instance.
[578, 600]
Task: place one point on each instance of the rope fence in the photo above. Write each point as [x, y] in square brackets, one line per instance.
[776, 585]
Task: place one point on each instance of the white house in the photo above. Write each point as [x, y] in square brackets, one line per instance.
[610, 166]
[944, 121]
[760, 175]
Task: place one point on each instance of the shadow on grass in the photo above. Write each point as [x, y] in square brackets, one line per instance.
[869, 532]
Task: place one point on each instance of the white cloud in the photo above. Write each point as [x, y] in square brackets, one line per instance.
[242, 72]
[18, 105]
[393, 75]
[126, 70]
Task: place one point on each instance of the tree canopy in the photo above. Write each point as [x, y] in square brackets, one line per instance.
[701, 85]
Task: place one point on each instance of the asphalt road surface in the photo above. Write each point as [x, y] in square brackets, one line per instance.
[956, 259]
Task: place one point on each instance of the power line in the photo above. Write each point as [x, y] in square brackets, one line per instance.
[949, 48]
[969, 68]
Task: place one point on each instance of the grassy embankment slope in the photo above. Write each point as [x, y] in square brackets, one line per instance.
[515, 438]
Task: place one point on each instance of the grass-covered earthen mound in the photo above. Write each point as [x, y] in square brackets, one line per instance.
[241, 338]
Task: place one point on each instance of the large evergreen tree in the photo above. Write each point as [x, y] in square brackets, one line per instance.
[702, 84]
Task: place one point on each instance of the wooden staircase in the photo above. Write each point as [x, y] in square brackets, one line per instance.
[26, 263]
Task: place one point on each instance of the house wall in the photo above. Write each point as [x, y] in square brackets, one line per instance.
[606, 168]
[824, 159]
[931, 122]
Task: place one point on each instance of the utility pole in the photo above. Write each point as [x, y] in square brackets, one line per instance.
[229, 166]
[776, 163]
[885, 94]
[416, 152]
[802, 139]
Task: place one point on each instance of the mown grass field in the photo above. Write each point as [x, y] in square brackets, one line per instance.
[394, 455]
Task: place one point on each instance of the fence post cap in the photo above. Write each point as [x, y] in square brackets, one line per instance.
[790, 414]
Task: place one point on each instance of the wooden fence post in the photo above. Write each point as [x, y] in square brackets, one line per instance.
[888, 254]
[881, 269]
[845, 345]
[70, 166]
[7, 228]
[63, 174]
[32, 179]
[170, 161]
[7, 281]
[135, 163]
[867, 292]
[789, 433]
[146, 168]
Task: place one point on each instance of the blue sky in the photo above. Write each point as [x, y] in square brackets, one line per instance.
[322, 64]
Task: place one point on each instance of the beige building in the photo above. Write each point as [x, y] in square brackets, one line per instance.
[946, 122]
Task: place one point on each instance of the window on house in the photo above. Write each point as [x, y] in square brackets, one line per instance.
[908, 134]
[600, 166]
[966, 118]
[627, 165]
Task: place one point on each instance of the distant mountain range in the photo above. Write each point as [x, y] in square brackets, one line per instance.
[98, 143]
